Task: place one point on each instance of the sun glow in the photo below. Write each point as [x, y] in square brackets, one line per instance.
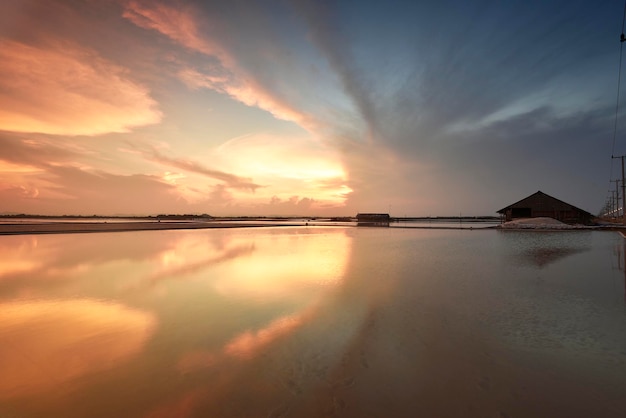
[288, 167]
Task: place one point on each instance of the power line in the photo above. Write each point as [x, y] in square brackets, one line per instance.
[619, 82]
[619, 79]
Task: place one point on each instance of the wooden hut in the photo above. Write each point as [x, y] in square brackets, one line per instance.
[542, 205]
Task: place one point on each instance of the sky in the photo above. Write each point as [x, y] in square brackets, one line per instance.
[305, 107]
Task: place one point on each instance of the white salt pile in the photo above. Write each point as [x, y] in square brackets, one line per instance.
[538, 223]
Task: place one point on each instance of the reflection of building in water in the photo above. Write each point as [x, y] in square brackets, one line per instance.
[543, 248]
[373, 219]
[540, 205]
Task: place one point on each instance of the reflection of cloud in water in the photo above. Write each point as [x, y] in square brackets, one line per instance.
[245, 345]
[35, 258]
[249, 342]
[146, 258]
[184, 269]
[286, 267]
[268, 284]
[17, 255]
[46, 343]
[539, 248]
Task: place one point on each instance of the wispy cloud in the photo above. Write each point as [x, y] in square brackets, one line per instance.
[225, 75]
[40, 175]
[229, 179]
[454, 99]
[325, 32]
[63, 89]
[177, 23]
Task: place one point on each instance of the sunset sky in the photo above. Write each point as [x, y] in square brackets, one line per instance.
[306, 107]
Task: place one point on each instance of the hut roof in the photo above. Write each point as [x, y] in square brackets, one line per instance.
[539, 199]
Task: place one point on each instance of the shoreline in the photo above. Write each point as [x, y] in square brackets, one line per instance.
[93, 227]
[34, 228]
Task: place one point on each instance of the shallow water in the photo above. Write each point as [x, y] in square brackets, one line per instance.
[307, 322]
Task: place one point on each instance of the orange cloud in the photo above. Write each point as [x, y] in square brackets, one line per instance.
[192, 166]
[63, 89]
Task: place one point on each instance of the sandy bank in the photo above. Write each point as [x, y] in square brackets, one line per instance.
[541, 223]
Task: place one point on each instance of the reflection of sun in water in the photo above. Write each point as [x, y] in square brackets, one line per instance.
[294, 266]
[290, 268]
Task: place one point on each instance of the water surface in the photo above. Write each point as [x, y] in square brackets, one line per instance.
[307, 322]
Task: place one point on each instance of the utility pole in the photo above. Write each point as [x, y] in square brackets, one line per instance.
[612, 204]
[623, 187]
[617, 198]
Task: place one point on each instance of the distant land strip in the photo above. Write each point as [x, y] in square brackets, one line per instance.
[85, 227]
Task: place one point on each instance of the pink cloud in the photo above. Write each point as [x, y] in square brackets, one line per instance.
[43, 175]
[175, 23]
[24, 192]
[43, 178]
[72, 191]
[64, 89]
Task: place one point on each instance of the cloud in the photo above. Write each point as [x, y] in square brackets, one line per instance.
[230, 180]
[225, 74]
[425, 107]
[460, 104]
[292, 206]
[20, 151]
[177, 23]
[39, 174]
[325, 32]
[61, 88]
[293, 165]
[43, 176]
[247, 92]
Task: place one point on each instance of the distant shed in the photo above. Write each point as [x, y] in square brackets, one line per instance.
[542, 205]
[373, 219]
